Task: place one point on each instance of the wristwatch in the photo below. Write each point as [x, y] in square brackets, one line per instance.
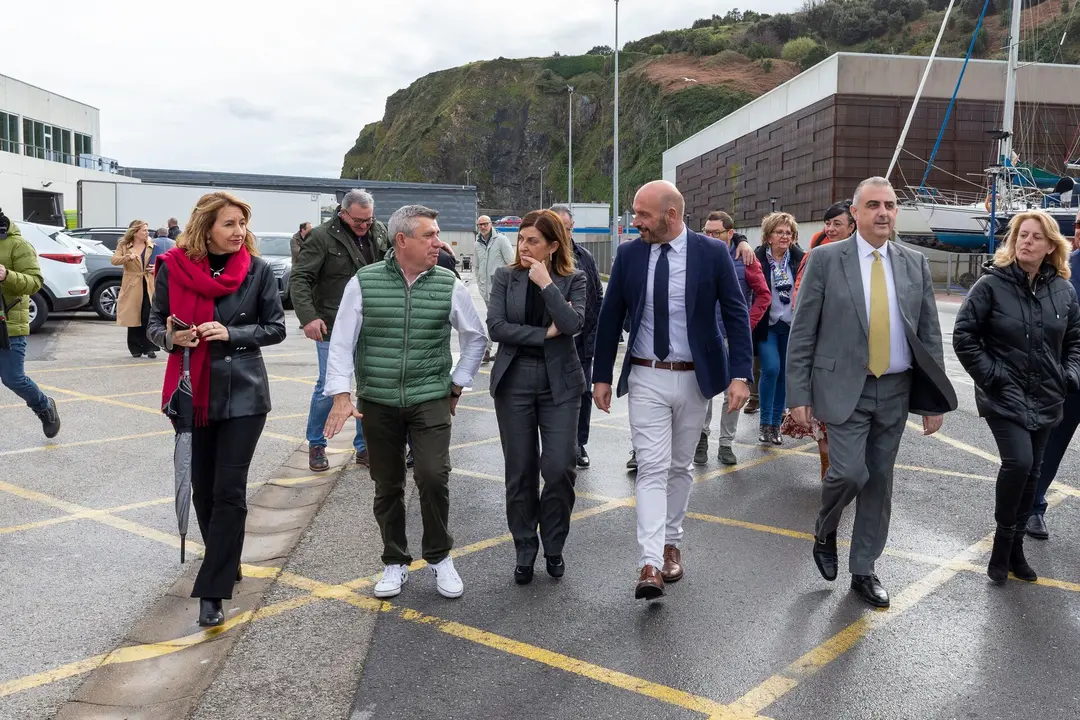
[743, 380]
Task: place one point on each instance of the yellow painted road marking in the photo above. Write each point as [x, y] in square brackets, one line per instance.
[836, 646]
[959, 445]
[137, 365]
[501, 479]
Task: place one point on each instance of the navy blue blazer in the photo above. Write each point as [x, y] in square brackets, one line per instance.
[710, 279]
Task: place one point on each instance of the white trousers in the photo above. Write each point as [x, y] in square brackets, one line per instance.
[667, 411]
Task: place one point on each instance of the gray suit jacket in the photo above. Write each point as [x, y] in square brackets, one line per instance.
[828, 349]
[506, 315]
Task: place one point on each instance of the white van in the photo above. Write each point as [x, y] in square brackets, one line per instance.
[64, 272]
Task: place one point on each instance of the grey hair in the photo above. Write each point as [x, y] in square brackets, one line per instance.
[876, 181]
[404, 220]
[362, 198]
[562, 209]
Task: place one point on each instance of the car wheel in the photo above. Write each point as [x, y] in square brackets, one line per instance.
[105, 297]
[39, 311]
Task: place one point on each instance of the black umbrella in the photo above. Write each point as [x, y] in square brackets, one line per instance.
[180, 411]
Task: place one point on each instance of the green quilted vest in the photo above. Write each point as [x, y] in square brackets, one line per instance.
[403, 352]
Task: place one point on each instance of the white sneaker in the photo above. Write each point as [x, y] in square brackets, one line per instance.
[447, 579]
[393, 577]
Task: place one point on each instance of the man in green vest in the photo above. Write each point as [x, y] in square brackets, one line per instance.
[393, 329]
[20, 277]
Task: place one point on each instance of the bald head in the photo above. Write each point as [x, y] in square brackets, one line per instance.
[658, 212]
[483, 225]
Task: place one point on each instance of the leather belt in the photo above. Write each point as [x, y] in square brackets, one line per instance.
[658, 365]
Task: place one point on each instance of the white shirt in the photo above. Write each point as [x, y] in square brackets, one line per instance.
[678, 337]
[350, 318]
[899, 351]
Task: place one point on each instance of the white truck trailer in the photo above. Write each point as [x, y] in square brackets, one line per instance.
[109, 204]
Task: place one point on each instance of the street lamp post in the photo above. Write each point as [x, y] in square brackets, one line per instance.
[467, 174]
[570, 150]
[541, 187]
[615, 168]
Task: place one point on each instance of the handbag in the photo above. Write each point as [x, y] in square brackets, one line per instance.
[5, 339]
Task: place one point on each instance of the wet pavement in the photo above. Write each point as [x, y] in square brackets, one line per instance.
[86, 528]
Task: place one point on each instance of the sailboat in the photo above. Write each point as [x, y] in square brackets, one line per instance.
[957, 222]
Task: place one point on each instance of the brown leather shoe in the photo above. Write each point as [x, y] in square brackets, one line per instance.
[824, 463]
[362, 459]
[650, 584]
[317, 458]
[672, 570]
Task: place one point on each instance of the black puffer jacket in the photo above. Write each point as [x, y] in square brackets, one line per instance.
[1020, 342]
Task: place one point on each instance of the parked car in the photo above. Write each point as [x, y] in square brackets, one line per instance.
[102, 277]
[64, 272]
[107, 236]
[276, 250]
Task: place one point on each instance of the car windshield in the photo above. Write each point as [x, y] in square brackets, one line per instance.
[275, 245]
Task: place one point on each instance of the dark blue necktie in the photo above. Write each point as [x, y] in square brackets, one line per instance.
[661, 314]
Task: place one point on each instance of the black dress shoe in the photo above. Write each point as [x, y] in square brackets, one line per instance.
[582, 457]
[869, 588]
[151, 354]
[239, 574]
[1036, 527]
[825, 556]
[523, 574]
[210, 614]
[555, 566]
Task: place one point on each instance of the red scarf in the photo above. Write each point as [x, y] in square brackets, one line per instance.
[192, 291]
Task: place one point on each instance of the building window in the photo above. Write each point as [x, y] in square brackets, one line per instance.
[9, 132]
[83, 144]
[49, 142]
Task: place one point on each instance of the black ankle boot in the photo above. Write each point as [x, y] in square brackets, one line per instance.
[210, 614]
[1017, 563]
[998, 570]
[523, 574]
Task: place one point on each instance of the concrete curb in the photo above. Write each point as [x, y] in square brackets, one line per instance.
[169, 686]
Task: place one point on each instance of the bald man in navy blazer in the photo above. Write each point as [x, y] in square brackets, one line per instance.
[669, 283]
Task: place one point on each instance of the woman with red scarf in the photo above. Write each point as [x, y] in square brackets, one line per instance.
[227, 304]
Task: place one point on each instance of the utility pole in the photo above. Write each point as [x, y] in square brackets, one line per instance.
[467, 174]
[541, 187]
[570, 151]
[615, 169]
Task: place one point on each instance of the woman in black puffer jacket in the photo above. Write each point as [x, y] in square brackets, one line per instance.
[1018, 336]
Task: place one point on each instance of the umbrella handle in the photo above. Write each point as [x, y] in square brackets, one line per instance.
[183, 540]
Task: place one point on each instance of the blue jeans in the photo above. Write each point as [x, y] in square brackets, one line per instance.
[14, 377]
[320, 407]
[771, 389]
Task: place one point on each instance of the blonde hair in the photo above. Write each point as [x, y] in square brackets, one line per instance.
[775, 220]
[1058, 256]
[197, 231]
[129, 237]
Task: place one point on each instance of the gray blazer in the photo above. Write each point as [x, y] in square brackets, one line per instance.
[828, 348]
[565, 302]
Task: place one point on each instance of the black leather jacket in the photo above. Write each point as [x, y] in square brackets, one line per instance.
[238, 383]
[1020, 342]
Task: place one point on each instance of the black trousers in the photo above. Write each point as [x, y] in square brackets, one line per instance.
[585, 414]
[1021, 452]
[538, 439]
[221, 454]
[1056, 445]
[137, 342]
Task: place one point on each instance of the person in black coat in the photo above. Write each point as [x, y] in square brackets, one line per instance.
[216, 298]
[1018, 336]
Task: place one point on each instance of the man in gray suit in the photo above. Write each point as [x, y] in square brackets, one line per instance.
[864, 351]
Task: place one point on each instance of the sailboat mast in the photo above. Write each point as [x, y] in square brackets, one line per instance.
[1010, 81]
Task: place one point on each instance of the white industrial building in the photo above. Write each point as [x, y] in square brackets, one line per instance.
[48, 143]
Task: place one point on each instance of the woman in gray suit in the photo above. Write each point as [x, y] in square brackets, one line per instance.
[536, 307]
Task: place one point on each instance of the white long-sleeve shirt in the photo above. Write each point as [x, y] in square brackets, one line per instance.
[350, 318]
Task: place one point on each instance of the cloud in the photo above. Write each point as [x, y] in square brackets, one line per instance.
[244, 110]
[234, 86]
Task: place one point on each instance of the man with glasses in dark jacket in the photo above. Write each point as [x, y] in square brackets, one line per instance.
[594, 296]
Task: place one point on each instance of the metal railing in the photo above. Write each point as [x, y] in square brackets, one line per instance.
[955, 273]
[87, 161]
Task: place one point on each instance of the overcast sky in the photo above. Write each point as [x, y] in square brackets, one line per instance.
[277, 87]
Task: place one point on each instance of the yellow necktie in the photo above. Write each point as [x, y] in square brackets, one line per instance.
[879, 318]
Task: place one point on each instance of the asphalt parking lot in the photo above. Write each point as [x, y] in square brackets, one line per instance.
[88, 557]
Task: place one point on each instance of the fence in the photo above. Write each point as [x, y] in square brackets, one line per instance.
[955, 273]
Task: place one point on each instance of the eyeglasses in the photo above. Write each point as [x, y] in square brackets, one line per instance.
[716, 233]
[359, 221]
[487, 224]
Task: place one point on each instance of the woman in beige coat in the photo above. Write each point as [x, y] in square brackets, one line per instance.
[135, 252]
